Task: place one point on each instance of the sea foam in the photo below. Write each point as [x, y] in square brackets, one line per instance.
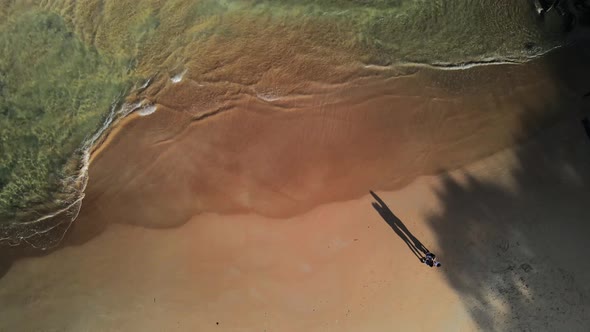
[147, 110]
[178, 77]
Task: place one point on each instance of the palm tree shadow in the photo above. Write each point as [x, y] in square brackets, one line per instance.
[417, 248]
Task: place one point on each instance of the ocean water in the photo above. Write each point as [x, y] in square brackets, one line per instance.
[69, 70]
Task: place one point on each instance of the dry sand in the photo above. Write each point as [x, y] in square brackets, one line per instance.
[307, 252]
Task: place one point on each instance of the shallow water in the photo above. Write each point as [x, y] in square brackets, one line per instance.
[56, 92]
[68, 67]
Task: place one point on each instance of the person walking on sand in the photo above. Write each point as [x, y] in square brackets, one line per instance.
[430, 260]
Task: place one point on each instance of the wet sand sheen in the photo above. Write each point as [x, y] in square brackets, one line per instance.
[282, 157]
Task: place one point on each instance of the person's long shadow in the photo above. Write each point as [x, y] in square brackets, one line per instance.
[399, 228]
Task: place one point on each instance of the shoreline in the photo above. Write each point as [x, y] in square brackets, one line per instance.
[233, 188]
[120, 119]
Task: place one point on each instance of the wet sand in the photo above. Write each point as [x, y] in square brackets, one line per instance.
[323, 142]
[304, 250]
[338, 267]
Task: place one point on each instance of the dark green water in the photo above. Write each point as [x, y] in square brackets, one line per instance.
[55, 92]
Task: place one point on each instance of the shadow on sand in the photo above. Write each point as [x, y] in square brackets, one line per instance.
[512, 228]
[399, 228]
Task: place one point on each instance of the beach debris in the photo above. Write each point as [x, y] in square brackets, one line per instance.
[526, 267]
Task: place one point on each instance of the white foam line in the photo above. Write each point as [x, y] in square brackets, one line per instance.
[178, 77]
[462, 66]
[440, 66]
[15, 242]
[147, 110]
[80, 179]
[145, 85]
[267, 97]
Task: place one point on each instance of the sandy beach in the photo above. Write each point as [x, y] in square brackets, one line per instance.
[255, 215]
[339, 267]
